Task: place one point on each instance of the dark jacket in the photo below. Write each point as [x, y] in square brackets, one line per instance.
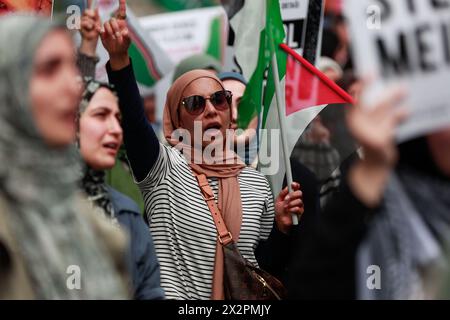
[143, 263]
[280, 252]
[317, 259]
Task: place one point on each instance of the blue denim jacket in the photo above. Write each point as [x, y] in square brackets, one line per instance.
[142, 260]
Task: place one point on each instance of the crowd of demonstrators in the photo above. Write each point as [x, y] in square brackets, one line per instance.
[390, 210]
[327, 142]
[99, 138]
[363, 200]
[404, 197]
[184, 233]
[117, 176]
[383, 206]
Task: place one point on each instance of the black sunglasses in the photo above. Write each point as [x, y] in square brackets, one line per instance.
[195, 105]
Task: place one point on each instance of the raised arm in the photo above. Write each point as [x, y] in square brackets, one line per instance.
[140, 140]
[90, 30]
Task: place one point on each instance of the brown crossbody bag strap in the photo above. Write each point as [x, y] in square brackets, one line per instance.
[223, 234]
[242, 280]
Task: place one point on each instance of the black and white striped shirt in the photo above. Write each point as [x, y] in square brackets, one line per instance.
[183, 230]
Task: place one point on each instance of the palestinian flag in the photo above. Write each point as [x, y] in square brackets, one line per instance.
[149, 61]
[259, 32]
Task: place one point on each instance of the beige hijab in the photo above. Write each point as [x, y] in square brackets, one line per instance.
[226, 170]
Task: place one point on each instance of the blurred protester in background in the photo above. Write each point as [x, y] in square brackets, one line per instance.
[198, 61]
[336, 39]
[100, 137]
[87, 52]
[333, 7]
[46, 230]
[149, 98]
[351, 84]
[391, 210]
[330, 68]
[316, 148]
[410, 230]
[245, 142]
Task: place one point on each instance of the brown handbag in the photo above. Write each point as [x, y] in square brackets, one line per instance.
[242, 280]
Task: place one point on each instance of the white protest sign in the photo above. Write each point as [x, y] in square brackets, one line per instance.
[405, 42]
[183, 34]
[294, 14]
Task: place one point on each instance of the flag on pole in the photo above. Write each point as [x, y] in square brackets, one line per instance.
[255, 24]
[307, 92]
[251, 50]
[306, 86]
[251, 25]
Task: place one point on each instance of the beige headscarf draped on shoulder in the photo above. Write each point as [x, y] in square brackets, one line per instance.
[227, 171]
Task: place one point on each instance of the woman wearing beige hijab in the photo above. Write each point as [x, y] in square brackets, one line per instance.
[197, 115]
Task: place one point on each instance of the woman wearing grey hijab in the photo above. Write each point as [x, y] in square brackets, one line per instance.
[51, 247]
